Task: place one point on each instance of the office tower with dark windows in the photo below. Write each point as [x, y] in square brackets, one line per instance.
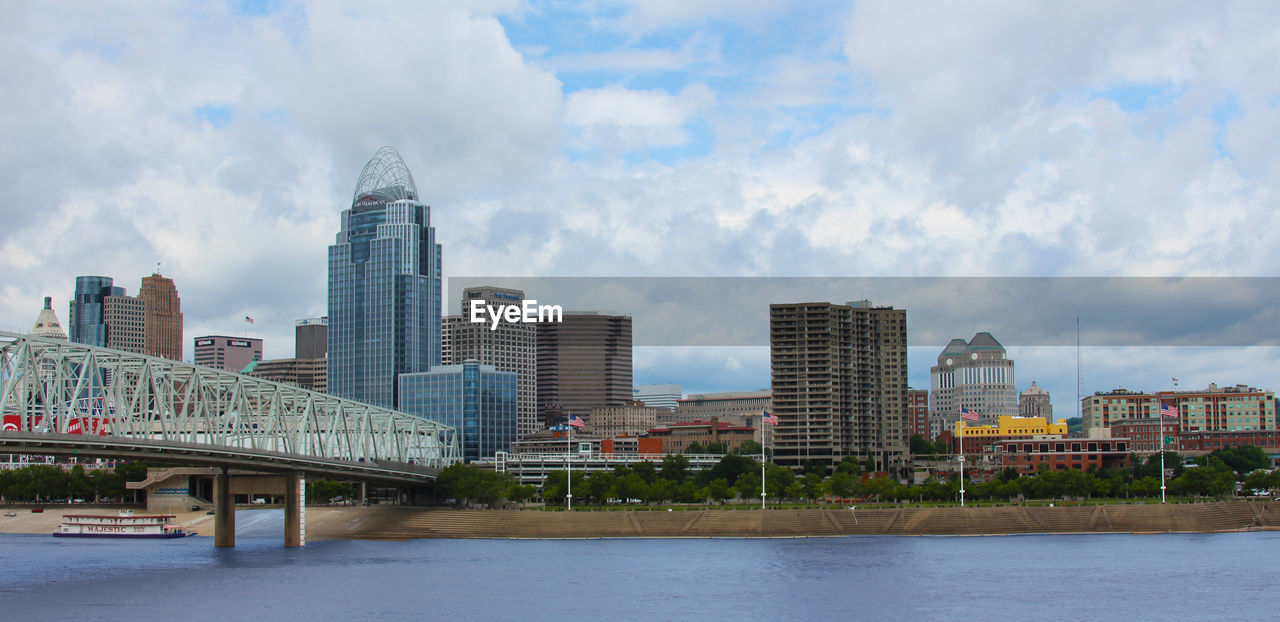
[508, 346]
[584, 362]
[384, 286]
[102, 315]
[479, 401]
[227, 353]
[839, 377]
[162, 320]
[311, 338]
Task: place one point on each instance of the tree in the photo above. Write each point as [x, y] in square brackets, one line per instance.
[695, 448]
[749, 448]
[777, 479]
[718, 490]
[631, 486]
[841, 485]
[716, 448]
[1242, 459]
[675, 467]
[598, 487]
[850, 466]
[730, 468]
[920, 445]
[811, 486]
[646, 470]
[748, 485]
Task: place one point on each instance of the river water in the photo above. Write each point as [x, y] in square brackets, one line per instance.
[1068, 577]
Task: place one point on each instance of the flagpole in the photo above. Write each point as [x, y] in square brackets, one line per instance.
[568, 457]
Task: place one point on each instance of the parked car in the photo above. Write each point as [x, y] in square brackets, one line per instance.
[9, 514]
[37, 510]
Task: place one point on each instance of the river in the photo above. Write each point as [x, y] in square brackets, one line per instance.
[1050, 577]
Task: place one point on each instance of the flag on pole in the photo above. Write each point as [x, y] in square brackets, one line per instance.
[968, 415]
[248, 319]
[769, 418]
[1175, 382]
[1168, 410]
[575, 421]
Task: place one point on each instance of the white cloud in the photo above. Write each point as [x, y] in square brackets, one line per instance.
[617, 119]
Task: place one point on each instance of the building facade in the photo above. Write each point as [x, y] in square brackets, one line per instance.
[975, 375]
[584, 362]
[631, 419]
[1034, 402]
[311, 338]
[162, 320]
[677, 437]
[509, 346]
[839, 383]
[977, 439]
[384, 286]
[227, 353]
[918, 413]
[310, 374]
[125, 318]
[1239, 408]
[664, 396]
[479, 401]
[47, 324]
[1147, 435]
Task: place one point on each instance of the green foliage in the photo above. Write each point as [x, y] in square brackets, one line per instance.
[1244, 459]
[675, 467]
[468, 483]
[696, 448]
[717, 447]
[849, 465]
[920, 446]
[841, 484]
[749, 448]
[1075, 425]
[323, 490]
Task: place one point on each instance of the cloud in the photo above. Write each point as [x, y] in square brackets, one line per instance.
[616, 119]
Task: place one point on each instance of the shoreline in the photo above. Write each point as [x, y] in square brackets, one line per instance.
[406, 523]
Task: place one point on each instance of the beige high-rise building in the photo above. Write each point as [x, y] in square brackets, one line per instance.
[125, 318]
[1034, 402]
[839, 383]
[631, 419]
[162, 322]
[510, 346]
[47, 324]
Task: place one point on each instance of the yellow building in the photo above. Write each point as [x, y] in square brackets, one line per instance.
[977, 438]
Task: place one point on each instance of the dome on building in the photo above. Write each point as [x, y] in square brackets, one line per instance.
[387, 177]
[47, 324]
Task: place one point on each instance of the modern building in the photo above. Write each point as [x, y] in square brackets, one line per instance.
[1239, 408]
[975, 375]
[103, 315]
[162, 317]
[584, 362]
[509, 346]
[384, 286]
[47, 324]
[227, 353]
[1034, 402]
[631, 419]
[311, 338]
[839, 376]
[664, 396]
[479, 401]
[918, 413]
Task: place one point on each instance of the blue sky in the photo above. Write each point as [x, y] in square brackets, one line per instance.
[658, 138]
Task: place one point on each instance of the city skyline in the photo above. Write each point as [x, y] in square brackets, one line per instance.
[709, 139]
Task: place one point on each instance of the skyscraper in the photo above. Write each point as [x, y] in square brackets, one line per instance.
[479, 401]
[508, 346]
[839, 382]
[162, 322]
[47, 324]
[384, 285]
[974, 375]
[102, 315]
[584, 362]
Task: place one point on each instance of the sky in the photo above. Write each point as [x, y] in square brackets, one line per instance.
[659, 138]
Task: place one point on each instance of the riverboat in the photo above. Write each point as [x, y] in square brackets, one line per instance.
[123, 525]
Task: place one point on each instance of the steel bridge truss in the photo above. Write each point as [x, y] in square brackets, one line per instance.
[61, 387]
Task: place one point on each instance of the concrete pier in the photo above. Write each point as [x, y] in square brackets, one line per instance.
[295, 510]
[224, 511]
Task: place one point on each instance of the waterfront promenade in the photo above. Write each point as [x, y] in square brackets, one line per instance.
[392, 522]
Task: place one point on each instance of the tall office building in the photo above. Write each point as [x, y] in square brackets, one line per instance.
[103, 315]
[227, 353]
[584, 362]
[47, 324]
[162, 320]
[384, 286]
[509, 346]
[839, 382]
[665, 396]
[1034, 402]
[478, 401]
[311, 338]
[973, 375]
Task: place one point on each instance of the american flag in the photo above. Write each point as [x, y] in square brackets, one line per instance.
[576, 421]
[968, 415]
[1168, 410]
[248, 319]
[769, 418]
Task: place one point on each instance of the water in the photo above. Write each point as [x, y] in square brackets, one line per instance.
[1167, 576]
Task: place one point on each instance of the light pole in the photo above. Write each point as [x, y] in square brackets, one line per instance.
[961, 480]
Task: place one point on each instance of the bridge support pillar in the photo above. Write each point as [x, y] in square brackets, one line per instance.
[295, 510]
[224, 511]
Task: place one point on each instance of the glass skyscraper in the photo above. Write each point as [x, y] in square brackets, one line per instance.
[476, 400]
[384, 286]
[85, 317]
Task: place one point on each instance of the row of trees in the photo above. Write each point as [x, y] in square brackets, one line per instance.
[45, 482]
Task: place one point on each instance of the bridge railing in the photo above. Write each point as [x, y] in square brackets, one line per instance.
[70, 388]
